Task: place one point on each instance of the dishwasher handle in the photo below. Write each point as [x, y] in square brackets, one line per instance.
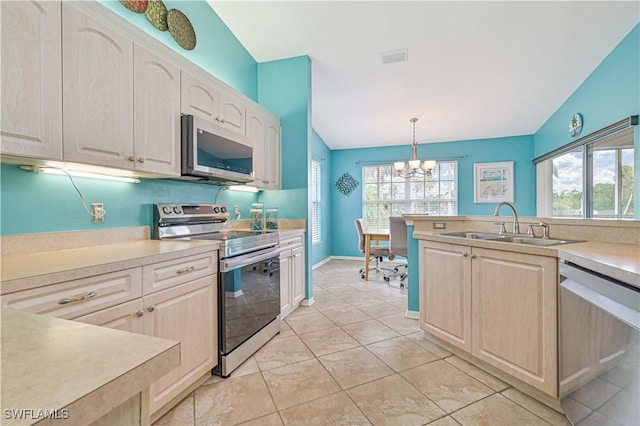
[615, 299]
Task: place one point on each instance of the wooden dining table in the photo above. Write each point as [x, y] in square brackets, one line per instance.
[369, 237]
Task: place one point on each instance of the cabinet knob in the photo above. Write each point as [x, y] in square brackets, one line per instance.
[222, 121]
[139, 314]
[473, 256]
[151, 308]
[465, 254]
[131, 158]
[140, 160]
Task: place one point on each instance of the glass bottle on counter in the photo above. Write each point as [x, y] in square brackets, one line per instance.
[271, 218]
[257, 215]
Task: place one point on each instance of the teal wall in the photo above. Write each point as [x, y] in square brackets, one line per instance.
[321, 153]
[284, 87]
[33, 203]
[217, 50]
[344, 209]
[610, 94]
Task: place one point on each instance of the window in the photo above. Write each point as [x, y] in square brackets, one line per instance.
[595, 180]
[386, 194]
[315, 201]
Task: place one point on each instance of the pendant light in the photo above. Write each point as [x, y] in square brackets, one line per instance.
[413, 167]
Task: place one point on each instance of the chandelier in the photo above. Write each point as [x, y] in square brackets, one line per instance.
[413, 167]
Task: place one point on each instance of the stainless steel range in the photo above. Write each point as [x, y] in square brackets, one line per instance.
[248, 278]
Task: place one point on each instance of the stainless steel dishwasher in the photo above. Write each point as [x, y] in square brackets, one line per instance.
[599, 348]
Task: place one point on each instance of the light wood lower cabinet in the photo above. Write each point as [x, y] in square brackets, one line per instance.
[445, 303]
[186, 313]
[499, 306]
[175, 299]
[292, 274]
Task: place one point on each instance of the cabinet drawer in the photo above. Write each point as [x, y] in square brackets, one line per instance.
[289, 242]
[79, 297]
[164, 275]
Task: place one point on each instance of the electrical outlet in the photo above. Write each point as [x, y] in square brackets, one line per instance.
[97, 212]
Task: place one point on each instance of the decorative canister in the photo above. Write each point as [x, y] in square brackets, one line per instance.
[257, 215]
[271, 218]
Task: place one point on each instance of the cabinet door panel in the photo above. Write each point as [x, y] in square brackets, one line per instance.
[232, 113]
[198, 98]
[97, 92]
[297, 275]
[31, 79]
[185, 313]
[272, 149]
[156, 114]
[122, 317]
[445, 303]
[515, 315]
[255, 136]
[285, 283]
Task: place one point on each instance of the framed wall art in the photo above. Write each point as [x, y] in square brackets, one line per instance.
[493, 182]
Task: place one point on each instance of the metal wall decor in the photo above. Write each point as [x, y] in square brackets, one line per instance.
[346, 183]
[173, 20]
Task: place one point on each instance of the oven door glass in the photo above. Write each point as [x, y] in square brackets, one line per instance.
[250, 297]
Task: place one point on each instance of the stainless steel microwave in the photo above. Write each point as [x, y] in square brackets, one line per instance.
[214, 153]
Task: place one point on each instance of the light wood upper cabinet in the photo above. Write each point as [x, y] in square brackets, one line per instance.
[263, 132]
[445, 297]
[31, 121]
[514, 315]
[233, 112]
[199, 98]
[97, 92]
[156, 114]
[216, 104]
[272, 153]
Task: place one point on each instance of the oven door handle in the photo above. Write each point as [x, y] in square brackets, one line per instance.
[248, 259]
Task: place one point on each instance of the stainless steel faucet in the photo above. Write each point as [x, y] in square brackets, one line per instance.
[516, 224]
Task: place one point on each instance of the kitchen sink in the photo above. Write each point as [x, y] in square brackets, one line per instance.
[515, 239]
[532, 241]
[471, 235]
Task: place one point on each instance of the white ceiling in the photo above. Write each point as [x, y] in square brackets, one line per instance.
[475, 69]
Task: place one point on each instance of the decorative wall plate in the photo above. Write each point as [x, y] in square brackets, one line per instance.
[181, 29]
[346, 183]
[157, 14]
[137, 6]
[575, 125]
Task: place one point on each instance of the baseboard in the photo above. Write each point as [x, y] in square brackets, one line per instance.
[233, 294]
[322, 262]
[347, 258]
[307, 302]
[412, 314]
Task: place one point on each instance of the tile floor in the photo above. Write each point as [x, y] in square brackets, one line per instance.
[354, 359]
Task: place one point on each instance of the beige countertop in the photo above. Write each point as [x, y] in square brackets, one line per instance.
[54, 364]
[620, 261]
[26, 271]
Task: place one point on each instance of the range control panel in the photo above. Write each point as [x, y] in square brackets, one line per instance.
[189, 213]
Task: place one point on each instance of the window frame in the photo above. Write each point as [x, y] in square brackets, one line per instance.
[407, 201]
[316, 202]
[544, 170]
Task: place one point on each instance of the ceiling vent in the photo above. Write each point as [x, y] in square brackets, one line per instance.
[394, 56]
